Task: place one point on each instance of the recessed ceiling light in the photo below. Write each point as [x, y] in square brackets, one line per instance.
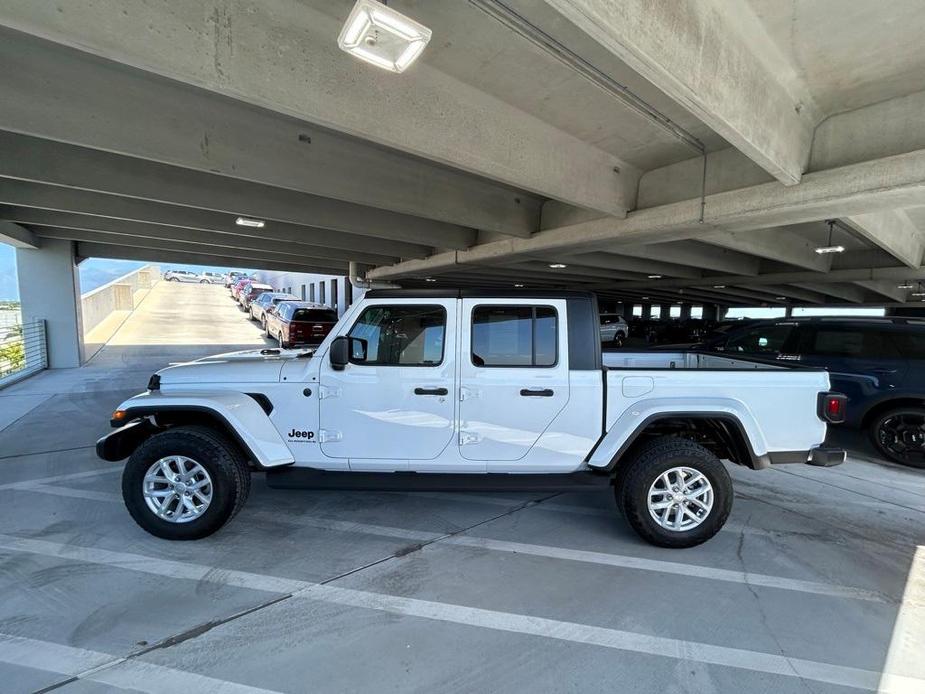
[557, 266]
[655, 277]
[719, 286]
[382, 36]
[248, 222]
[821, 250]
[429, 279]
[518, 286]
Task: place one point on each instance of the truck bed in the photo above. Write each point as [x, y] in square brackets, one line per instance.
[782, 397]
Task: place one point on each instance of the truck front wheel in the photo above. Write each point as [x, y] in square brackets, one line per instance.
[185, 483]
[674, 492]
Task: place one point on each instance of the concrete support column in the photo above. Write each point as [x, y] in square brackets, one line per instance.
[49, 290]
[788, 311]
[685, 311]
[712, 312]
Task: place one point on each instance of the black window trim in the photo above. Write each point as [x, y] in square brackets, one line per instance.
[532, 336]
[404, 366]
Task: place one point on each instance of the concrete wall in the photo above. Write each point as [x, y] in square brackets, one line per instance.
[318, 288]
[122, 294]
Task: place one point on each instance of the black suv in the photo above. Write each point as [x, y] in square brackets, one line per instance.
[879, 363]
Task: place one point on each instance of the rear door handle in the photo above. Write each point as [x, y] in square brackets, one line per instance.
[431, 391]
[544, 393]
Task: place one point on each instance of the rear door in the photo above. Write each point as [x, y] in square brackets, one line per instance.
[514, 377]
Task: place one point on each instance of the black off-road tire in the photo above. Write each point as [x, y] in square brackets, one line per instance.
[880, 444]
[636, 476]
[213, 451]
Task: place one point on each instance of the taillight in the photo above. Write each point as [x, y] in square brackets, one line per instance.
[832, 407]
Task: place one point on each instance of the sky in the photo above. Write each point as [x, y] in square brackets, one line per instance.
[94, 272]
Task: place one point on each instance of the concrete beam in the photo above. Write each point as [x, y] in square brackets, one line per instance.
[613, 261]
[41, 220]
[778, 244]
[242, 256]
[24, 194]
[106, 102]
[887, 289]
[186, 257]
[17, 236]
[810, 280]
[848, 292]
[694, 254]
[893, 231]
[34, 159]
[881, 184]
[711, 66]
[280, 55]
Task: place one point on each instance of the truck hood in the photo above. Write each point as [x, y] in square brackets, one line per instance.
[248, 366]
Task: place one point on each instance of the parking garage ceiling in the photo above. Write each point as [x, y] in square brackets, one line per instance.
[678, 151]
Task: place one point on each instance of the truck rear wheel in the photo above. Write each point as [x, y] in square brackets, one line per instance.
[674, 492]
[185, 483]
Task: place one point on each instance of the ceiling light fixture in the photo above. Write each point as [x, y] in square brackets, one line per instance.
[904, 285]
[383, 37]
[519, 286]
[821, 250]
[429, 279]
[248, 222]
[719, 286]
[558, 266]
[781, 298]
[655, 277]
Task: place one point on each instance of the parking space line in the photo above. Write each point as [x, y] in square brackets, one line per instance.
[563, 553]
[670, 567]
[62, 478]
[572, 632]
[137, 675]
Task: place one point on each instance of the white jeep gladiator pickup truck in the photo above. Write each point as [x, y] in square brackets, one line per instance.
[462, 389]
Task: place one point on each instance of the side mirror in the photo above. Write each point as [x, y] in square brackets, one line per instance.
[347, 350]
[339, 353]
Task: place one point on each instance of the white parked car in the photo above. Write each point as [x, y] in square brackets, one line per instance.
[211, 278]
[181, 276]
[462, 389]
[614, 329]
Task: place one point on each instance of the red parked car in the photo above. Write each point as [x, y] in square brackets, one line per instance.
[295, 323]
[238, 286]
[251, 292]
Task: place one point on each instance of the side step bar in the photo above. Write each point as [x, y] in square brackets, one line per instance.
[311, 478]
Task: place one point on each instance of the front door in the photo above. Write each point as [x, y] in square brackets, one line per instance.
[397, 404]
[514, 376]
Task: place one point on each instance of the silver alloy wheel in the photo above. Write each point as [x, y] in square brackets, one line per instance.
[680, 499]
[177, 489]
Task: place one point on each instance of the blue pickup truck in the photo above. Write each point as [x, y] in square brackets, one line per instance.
[879, 363]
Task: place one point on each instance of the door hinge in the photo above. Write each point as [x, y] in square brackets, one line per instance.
[467, 437]
[328, 392]
[327, 436]
[467, 393]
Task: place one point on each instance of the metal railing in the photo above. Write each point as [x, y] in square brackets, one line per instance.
[23, 351]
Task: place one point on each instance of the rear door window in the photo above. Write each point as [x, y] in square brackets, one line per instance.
[514, 336]
[852, 342]
[911, 345]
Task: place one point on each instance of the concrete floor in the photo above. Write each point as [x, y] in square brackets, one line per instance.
[814, 585]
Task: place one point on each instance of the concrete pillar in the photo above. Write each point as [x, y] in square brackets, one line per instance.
[788, 311]
[712, 312]
[685, 311]
[49, 290]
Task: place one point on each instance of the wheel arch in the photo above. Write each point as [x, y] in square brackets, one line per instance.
[247, 425]
[882, 406]
[722, 433]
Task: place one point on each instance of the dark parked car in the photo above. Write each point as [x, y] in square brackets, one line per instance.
[295, 323]
[879, 363]
[260, 305]
[250, 292]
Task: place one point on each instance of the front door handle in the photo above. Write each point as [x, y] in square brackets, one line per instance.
[544, 393]
[431, 391]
